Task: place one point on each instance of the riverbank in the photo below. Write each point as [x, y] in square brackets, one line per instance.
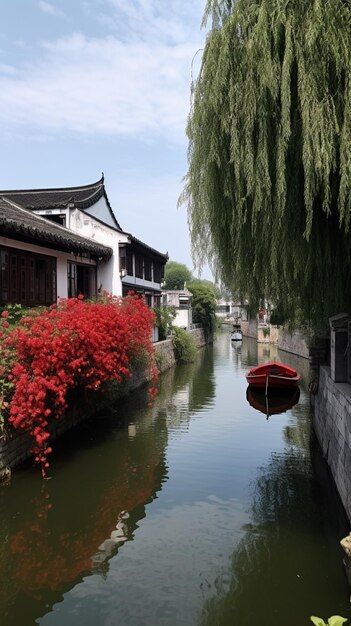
[15, 446]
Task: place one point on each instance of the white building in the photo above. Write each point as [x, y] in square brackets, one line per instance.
[180, 300]
[64, 241]
[227, 309]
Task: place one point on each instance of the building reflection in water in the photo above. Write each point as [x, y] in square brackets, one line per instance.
[104, 474]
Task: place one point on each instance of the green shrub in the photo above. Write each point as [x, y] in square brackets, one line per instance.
[277, 318]
[203, 306]
[184, 345]
[159, 360]
[164, 321]
[17, 311]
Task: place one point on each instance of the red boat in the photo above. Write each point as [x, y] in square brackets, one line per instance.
[273, 376]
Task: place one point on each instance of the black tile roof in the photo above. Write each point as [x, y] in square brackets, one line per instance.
[140, 244]
[24, 225]
[81, 197]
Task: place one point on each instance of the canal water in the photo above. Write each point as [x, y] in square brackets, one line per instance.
[198, 511]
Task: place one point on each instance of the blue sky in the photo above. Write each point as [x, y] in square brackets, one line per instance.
[102, 85]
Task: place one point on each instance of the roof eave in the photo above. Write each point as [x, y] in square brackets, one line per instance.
[35, 237]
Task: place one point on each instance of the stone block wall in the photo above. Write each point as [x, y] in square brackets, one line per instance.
[332, 424]
[249, 329]
[319, 353]
[15, 448]
[295, 342]
[165, 354]
[259, 332]
[199, 336]
[164, 349]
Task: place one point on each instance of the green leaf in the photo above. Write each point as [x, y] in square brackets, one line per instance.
[318, 621]
[336, 620]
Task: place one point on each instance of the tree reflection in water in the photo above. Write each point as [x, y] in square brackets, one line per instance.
[194, 388]
[288, 529]
[104, 474]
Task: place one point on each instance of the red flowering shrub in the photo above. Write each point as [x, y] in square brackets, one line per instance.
[71, 344]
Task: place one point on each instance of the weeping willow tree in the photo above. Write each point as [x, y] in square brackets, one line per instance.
[268, 187]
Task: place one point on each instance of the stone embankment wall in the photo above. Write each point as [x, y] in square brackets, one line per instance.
[295, 342]
[267, 334]
[16, 448]
[332, 424]
[249, 329]
[165, 352]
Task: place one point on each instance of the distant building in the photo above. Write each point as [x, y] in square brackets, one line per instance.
[180, 300]
[62, 242]
[227, 309]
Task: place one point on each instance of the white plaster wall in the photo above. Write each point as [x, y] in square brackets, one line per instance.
[108, 271]
[182, 319]
[61, 260]
[101, 211]
[173, 299]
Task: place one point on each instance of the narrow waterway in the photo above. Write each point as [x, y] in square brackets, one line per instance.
[198, 511]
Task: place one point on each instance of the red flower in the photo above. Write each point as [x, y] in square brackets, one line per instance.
[5, 314]
[72, 344]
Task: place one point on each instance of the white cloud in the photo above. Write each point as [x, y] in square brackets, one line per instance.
[131, 83]
[7, 69]
[173, 22]
[49, 8]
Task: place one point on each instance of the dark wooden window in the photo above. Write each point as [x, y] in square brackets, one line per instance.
[72, 280]
[122, 259]
[147, 269]
[183, 303]
[129, 263]
[81, 280]
[157, 273]
[126, 260]
[58, 219]
[139, 266]
[27, 278]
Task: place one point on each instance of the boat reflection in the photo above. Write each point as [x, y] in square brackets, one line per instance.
[274, 402]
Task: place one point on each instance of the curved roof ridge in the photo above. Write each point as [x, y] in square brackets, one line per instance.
[100, 182]
[35, 226]
[82, 196]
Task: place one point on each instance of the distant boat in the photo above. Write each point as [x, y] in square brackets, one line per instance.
[236, 334]
[272, 404]
[273, 376]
